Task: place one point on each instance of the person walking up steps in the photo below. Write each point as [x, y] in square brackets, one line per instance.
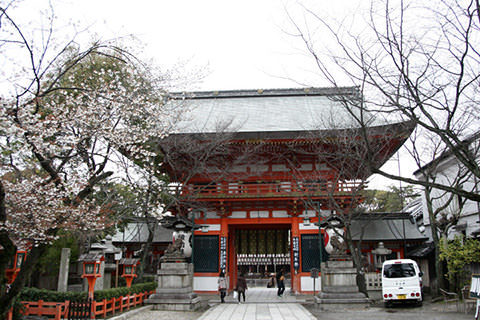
[241, 287]
[280, 282]
[222, 286]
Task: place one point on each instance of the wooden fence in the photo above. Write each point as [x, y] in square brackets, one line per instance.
[374, 280]
[59, 310]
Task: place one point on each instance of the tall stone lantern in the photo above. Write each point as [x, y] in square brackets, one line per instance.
[380, 255]
[175, 275]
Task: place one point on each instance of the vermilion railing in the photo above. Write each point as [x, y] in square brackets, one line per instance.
[59, 310]
[271, 189]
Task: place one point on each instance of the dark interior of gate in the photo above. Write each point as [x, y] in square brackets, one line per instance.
[261, 251]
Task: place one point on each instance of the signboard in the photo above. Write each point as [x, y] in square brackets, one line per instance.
[475, 286]
[296, 253]
[223, 253]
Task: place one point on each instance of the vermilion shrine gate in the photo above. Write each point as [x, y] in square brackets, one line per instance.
[258, 168]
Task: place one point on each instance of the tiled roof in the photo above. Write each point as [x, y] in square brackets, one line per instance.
[385, 226]
[422, 251]
[138, 232]
[265, 110]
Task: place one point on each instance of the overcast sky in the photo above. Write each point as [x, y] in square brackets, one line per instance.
[243, 44]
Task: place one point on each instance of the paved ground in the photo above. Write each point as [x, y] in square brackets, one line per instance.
[253, 311]
[262, 304]
[427, 312]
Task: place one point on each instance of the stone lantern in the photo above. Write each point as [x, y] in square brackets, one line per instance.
[380, 255]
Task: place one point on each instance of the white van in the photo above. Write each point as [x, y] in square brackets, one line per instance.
[401, 281]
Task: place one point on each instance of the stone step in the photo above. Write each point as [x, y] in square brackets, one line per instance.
[339, 264]
[341, 301]
[340, 289]
[344, 296]
[328, 271]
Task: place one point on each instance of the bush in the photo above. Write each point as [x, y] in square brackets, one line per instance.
[34, 294]
[124, 291]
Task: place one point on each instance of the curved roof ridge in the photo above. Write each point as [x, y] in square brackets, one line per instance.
[242, 93]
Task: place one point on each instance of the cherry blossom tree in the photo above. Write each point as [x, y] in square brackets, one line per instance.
[68, 115]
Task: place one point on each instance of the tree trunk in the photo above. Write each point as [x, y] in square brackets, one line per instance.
[146, 250]
[436, 241]
[357, 262]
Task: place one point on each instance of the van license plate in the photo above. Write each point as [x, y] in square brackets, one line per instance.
[401, 296]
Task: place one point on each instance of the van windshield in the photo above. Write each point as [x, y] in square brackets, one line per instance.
[399, 270]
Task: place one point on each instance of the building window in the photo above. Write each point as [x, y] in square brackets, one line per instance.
[205, 255]
[310, 253]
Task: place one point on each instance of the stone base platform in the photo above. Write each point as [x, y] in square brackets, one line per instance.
[175, 288]
[339, 285]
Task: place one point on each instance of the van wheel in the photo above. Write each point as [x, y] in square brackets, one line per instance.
[419, 303]
[388, 304]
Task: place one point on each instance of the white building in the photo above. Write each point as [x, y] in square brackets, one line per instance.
[459, 215]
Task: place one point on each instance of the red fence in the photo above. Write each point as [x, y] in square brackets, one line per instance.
[273, 189]
[59, 310]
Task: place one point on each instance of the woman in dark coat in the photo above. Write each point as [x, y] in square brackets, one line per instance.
[241, 287]
[280, 282]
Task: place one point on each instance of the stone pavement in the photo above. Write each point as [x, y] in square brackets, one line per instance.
[263, 295]
[262, 304]
[258, 311]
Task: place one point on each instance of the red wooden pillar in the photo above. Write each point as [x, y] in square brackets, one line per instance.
[295, 276]
[231, 257]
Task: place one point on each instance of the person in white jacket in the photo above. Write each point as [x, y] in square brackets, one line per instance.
[222, 286]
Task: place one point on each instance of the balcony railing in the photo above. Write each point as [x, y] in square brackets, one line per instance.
[270, 189]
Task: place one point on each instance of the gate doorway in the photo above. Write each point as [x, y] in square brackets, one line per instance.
[262, 251]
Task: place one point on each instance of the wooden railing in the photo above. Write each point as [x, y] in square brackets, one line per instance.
[115, 305]
[59, 310]
[270, 189]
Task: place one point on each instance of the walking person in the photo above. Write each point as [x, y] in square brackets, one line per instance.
[241, 287]
[271, 282]
[280, 282]
[222, 286]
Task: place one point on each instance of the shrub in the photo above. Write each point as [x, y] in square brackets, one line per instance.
[124, 291]
[34, 294]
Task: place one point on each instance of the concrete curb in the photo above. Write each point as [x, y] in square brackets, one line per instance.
[128, 314]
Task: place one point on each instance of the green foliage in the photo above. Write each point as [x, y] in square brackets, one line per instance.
[18, 309]
[34, 294]
[459, 253]
[124, 291]
[392, 200]
[49, 262]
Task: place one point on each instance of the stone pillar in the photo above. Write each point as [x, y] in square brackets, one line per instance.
[62, 285]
